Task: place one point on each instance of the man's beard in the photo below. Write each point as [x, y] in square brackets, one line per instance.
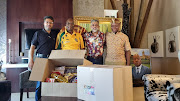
[48, 29]
[94, 30]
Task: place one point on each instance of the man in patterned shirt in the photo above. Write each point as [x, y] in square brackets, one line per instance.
[69, 39]
[94, 42]
[118, 46]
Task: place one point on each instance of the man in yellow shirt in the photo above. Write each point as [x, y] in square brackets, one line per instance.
[69, 39]
[77, 29]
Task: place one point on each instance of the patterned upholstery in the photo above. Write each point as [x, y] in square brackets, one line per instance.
[155, 86]
[5, 90]
[157, 96]
[24, 80]
[171, 90]
[25, 83]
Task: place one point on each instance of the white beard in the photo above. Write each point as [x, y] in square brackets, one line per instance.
[94, 30]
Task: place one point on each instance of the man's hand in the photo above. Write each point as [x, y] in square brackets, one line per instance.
[30, 64]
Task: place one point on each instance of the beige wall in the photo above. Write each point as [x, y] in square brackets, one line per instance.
[92, 8]
[164, 14]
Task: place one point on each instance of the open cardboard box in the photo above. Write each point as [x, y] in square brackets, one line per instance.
[105, 83]
[43, 68]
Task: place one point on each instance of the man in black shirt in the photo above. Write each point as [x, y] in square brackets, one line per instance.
[44, 40]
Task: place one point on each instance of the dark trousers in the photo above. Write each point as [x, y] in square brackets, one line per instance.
[38, 85]
[98, 60]
[38, 91]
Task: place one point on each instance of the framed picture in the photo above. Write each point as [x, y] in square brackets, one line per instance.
[141, 64]
[144, 55]
[172, 41]
[104, 23]
[155, 44]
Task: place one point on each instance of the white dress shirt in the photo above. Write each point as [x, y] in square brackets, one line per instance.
[138, 69]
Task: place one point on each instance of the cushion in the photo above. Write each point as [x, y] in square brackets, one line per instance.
[157, 96]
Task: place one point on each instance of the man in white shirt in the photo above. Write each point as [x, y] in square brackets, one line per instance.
[139, 70]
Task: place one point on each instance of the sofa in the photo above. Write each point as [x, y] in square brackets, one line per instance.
[159, 87]
[171, 89]
[5, 90]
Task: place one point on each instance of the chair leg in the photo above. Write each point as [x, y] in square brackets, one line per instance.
[27, 92]
[21, 94]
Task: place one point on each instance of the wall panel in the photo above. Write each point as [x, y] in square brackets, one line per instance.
[33, 11]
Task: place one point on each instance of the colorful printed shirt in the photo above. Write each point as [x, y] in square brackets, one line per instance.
[94, 43]
[117, 44]
[67, 41]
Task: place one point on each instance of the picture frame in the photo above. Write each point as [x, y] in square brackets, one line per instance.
[104, 23]
[156, 44]
[144, 54]
[172, 41]
[145, 57]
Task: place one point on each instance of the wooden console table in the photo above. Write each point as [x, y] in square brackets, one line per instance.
[12, 74]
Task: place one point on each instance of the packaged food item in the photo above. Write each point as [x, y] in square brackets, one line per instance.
[59, 78]
[69, 76]
[73, 80]
[50, 79]
[62, 79]
[75, 74]
[60, 69]
[56, 72]
[70, 70]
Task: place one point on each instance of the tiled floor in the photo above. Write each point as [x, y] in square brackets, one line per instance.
[16, 96]
[138, 95]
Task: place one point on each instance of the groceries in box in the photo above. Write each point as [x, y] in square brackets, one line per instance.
[64, 75]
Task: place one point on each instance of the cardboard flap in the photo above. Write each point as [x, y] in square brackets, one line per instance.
[67, 62]
[73, 54]
[87, 62]
[38, 69]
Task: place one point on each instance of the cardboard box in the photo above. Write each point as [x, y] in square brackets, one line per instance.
[105, 83]
[43, 67]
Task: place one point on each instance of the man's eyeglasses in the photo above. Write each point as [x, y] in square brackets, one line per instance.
[49, 22]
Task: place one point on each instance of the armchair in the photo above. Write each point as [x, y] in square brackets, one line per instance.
[156, 86]
[171, 88]
[25, 83]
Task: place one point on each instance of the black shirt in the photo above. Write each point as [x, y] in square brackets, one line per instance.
[44, 42]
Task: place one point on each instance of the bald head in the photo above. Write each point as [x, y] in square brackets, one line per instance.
[136, 60]
[70, 25]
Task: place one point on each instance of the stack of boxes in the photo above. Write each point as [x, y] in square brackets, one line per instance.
[94, 82]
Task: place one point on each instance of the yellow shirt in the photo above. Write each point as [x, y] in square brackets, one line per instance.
[67, 41]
